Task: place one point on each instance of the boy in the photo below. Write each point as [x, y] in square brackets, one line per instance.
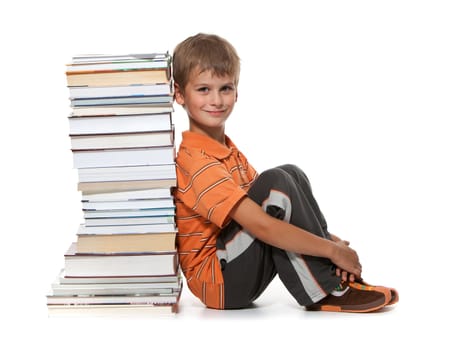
[238, 229]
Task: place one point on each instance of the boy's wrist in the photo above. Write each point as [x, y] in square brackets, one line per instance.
[332, 250]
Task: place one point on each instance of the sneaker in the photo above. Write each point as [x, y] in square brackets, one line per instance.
[394, 294]
[354, 297]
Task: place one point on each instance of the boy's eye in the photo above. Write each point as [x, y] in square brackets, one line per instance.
[226, 88]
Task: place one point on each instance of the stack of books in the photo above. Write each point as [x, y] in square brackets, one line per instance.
[122, 139]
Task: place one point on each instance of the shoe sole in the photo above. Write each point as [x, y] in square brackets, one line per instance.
[358, 309]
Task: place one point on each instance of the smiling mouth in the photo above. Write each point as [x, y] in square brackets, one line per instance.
[216, 112]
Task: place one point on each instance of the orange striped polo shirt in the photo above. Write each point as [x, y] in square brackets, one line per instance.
[211, 179]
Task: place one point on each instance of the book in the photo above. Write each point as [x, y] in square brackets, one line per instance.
[127, 264]
[120, 124]
[121, 110]
[115, 77]
[111, 62]
[99, 58]
[125, 243]
[129, 204]
[113, 310]
[81, 92]
[125, 229]
[152, 193]
[126, 140]
[59, 288]
[114, 289]
[123, 157]
[132, 173]
[131, 213]
[149, 298]
[172, 279]
[129, 220]
[107, 101]
[126, 185]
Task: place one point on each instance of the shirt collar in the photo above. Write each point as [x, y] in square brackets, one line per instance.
[207, 144]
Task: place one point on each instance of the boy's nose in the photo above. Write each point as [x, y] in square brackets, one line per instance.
[217, 99]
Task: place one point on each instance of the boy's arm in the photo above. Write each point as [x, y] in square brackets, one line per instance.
[284, 235]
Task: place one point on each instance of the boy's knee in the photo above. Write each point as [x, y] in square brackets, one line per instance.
[289, 166]
[279, 178]
[289, 172]
[292, 169]
[295, 172]
[274, 173]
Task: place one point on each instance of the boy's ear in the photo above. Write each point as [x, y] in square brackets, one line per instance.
[178, 94]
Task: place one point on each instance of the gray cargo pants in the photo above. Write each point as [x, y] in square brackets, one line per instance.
[249, 265]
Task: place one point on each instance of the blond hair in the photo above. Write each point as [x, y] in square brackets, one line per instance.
[204, 52]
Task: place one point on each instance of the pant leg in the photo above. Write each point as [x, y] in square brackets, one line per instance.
[249, 265]
[248, 275]
[302, 180]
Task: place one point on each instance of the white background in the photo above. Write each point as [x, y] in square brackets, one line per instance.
[357, 93]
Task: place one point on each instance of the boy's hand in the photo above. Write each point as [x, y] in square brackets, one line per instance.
[347, 261]
[337, 239]
[345, 275]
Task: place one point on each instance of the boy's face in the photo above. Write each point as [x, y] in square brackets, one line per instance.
[208, 100]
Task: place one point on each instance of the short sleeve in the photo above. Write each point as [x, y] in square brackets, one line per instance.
[206, 186]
